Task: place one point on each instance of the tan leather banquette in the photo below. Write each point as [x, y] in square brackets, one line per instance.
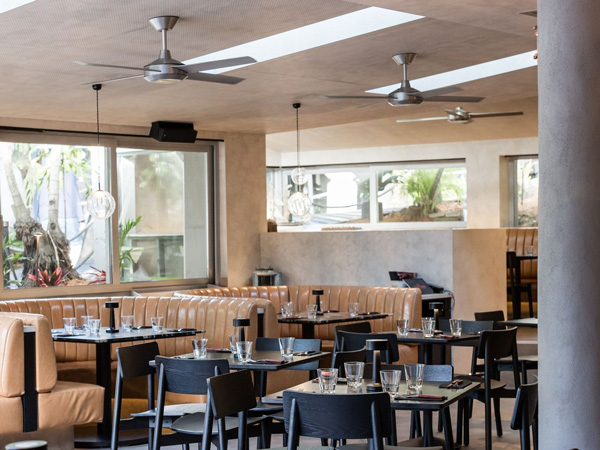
[60, 404]
[214, 315]
[517, 240]
[401, 303]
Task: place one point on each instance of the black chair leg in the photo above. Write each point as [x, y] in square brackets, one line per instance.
[467, 416]
[459, 421]
[497, 416]
[530, 298]
[440, 423]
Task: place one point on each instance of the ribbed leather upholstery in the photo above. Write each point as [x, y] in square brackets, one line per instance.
[12, 383]
[517, 240]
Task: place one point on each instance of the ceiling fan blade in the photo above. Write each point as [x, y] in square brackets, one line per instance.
[498, 114]
[81, 63]
[356, 96]
[219, 64]
[112, 79]
[422, 119]
[213, 78]
[452, 98]
[440, 91]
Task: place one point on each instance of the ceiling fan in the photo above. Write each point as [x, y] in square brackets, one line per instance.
[460, 115]
[407, 95]
[166, 70]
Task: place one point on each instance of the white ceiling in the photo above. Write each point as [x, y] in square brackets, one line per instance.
[39, 42]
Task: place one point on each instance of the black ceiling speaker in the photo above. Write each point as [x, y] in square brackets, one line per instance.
[173, 131]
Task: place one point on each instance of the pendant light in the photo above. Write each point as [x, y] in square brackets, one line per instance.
[299, 202]
[100, 204]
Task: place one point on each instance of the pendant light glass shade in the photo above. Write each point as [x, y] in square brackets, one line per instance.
[299, 204]
[299, 176]
[101, 204]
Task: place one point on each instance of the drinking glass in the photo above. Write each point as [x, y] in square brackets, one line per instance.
[157, 324]
[84, 323]
[244, 351]
[428, 325]
[390, 379]
[327, 380]
[127, 323]
[311, 311]
[233, 340]
[286, 345]
[529, 250]
[199, 346]
[456, 327]
[414, 377]
[354, 374]
[287, 309]
[353, 309]
[402, 327]
[94, 325]
[69, 324]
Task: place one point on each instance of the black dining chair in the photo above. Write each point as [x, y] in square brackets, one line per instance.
[515, 286]
[525, 415]
[341, 357]
[132, 362]
[357, 341]
[353, 327]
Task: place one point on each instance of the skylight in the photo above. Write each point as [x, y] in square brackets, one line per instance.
[7, 5]
[471, 73]
[311, 36]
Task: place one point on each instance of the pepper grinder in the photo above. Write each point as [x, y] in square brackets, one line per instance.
[112, 306]
[376, 346]
[318, 293]
[241, 323]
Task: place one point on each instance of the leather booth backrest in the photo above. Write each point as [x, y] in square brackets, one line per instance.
[45, 361]
[517, 240]
[214, 315]
[401, 303]
[12, 359]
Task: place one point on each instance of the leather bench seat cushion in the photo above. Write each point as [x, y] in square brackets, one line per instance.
[70, 404]
[11, 415]
[12, 360]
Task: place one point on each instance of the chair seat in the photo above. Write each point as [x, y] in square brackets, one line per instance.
[495, 384]
[175, 410]
[305, 447]
[266, 408]
[408, 445]
[194, 424]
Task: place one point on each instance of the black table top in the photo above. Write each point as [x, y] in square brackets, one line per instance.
[82, 337]
[418, 338]
[429, 388]
[531, 322]
[331, 317]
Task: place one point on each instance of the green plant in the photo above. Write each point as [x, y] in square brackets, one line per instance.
[426, 186]
[125, 253]
[13, 257]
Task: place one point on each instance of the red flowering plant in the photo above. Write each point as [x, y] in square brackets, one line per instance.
[44, 279]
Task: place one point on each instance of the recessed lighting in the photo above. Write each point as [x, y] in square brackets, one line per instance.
[471, 73]
[7, 5]
[311, 36]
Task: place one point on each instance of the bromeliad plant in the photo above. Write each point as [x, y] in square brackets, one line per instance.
[44, 279]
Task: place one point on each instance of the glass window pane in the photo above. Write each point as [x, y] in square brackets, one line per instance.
[526, 192]
[163, 215]
[50, 238]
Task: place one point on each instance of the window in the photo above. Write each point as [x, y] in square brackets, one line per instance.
[424, 194]
[160, 232]
[524, 174]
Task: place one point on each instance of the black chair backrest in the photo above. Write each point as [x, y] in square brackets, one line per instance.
[354, 327]
[133, 361]
[495, 316]
[340, 416]
[340, 357]
[496, 344]
[300, 345]
[231, 393]
[525, 406]
[356, 341]
[188, 376]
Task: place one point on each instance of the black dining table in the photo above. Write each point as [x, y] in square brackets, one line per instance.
[103, 341]
[427, 343]
[413, 404]
[529, 322]
[328, 317]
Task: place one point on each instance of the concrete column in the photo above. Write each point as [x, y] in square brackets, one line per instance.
[569, 222]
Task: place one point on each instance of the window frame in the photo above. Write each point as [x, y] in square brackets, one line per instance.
[513, 210]
[111, 142]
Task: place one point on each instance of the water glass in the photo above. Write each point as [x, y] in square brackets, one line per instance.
[233, 340]
[69, 324]
[286, 345]
[157, 324]
[287, 309]
[456, 327]
[244, 351]
[327, 380]
[354, 374]
[127, 323]
[84, 323]
[390, 379]
[428, 325]
[311, 312]
[200, 346]
[353, 309]
[402, 325]
[414, 377]
[94, 325]
[529, 250]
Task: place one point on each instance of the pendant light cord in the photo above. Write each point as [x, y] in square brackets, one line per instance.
[96, 88]
[297, 106]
